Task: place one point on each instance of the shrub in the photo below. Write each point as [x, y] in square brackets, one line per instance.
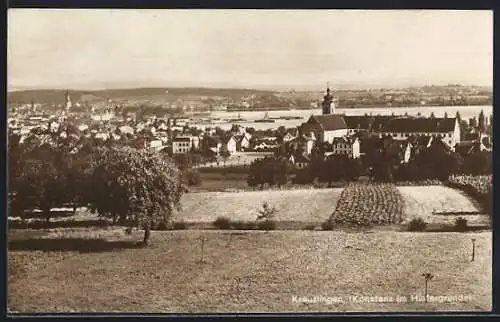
[243, 225]
[193, 177]
[179, 225]
[310, 227]
[222, 223]
[162, 226]
[327, 225]
[461, 224]
[417, 224]
[266, 225]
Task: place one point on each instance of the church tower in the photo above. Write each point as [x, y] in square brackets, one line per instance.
[68, 103]
[328, 105]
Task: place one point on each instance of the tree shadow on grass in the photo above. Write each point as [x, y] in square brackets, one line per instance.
[39, 224]
[81, 245]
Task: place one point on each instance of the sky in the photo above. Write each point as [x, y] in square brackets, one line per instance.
[278, 49]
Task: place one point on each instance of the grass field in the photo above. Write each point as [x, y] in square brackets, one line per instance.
[446, 203]
[243, 271]
[307, 206]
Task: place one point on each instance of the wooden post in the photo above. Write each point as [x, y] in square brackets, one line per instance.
[473, 248]
[202, 239]
[425, 290]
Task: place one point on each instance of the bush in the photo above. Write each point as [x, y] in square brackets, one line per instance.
[243, 225]
[327, 225]
[222, 223]
[461, 224]
[193, 177]
[266, 225]
[179, 225]
[417, 224]
[310, 227]
[161, 226]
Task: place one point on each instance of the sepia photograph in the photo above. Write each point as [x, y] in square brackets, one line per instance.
[249, 161]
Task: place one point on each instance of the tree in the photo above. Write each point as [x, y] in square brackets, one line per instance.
[38, 182]
[435, 162]
[183, 161]
[219, 131]
[192, 177]
[235, 128]
[281, 131]
[269, 170]
[250, 130]
[140, 186]
[473, 122]
[481, 121]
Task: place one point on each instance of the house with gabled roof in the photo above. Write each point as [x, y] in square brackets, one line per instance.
[288, 137]
[349, 146]
[299, 161]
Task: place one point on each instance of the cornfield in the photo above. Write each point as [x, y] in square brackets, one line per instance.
[369, 204]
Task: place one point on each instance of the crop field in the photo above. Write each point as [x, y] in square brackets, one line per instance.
[481, 184]
[369, 204]
[308, 205]
[440, 204]
[76, 270]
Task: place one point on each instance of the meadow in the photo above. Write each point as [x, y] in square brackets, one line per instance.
[91, 266]
[301, 206]
[244, 271]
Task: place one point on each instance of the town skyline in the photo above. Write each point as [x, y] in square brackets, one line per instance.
[280, 50]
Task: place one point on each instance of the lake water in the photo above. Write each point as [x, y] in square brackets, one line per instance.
[466, 112]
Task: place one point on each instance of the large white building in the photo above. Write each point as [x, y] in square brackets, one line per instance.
[403, 128]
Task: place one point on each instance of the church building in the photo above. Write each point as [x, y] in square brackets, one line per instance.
[328, 126]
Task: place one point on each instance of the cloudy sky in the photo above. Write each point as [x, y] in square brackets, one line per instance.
[247, 48]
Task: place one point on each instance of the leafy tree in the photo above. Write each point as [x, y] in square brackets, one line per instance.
[269, 170]
[250, 130]
[481, 121]
[473, 122]
[219, 131]
[139, 186]
[183, 161]
[280, 131]
[435, 162]
[478, 163]
[38, 182]
[235, 128]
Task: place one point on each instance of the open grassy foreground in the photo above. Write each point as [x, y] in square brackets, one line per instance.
[61, 271]
[300, 206]
[440, 204]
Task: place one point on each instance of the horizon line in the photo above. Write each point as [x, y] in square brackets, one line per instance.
[255, 88]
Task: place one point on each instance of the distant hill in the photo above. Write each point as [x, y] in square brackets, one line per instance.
[56, 96]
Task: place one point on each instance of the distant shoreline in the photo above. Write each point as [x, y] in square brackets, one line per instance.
[353, 107]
